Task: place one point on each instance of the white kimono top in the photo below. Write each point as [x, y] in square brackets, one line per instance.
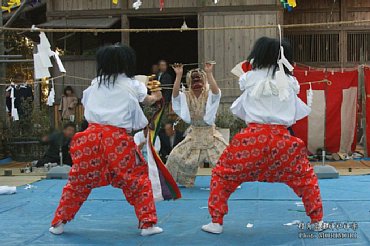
[181, 108]
[139, 138]
[116, 105]
[260, 101]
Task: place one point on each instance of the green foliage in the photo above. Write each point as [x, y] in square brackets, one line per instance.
[33, 124]
[226, 119]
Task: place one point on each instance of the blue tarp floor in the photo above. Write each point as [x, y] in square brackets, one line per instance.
[107, 219]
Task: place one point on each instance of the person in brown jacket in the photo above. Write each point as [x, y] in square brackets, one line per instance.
[68, 103]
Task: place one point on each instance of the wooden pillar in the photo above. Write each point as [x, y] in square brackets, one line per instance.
[343, 34]
[201, 56]
[125, 36]
[125, 23]
[363, 98]
[3, 114]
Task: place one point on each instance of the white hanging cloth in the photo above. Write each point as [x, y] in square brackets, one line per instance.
[51, 97]
[42, 61]
[280, 76]
[14, 110]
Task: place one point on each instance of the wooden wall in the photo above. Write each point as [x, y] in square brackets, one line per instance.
[346, 40]
[84, 67]
[315, 11]
[67, 5]
[72, 5]
[168, 4]
[229, 47]
[239, 2]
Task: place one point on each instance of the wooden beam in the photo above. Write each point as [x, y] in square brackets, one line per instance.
[155, 12]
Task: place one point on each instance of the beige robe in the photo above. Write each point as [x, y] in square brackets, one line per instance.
[202, 144]
[67, 107]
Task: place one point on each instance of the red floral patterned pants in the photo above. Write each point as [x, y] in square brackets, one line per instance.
[264, 153]
[106, 155]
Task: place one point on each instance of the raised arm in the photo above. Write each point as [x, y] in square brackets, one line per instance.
[153, 98]
[178, 68]
[208, 68]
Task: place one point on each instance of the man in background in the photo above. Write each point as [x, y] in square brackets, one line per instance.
[58, 142]
[169, 139]
[155, 69]
[166, 80]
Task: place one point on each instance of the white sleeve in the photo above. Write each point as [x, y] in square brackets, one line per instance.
[302, 110]
[157, 145]
[246, 80]
[141, 90]
[295, 84]
[137, 138]
[237, 108]
[213, 102]
[180, 107]
[85, 96]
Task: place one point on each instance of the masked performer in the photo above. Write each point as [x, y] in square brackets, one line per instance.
[265, 151]
[105, 154]
[197, 107]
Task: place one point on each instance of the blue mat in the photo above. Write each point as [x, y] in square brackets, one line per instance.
[107, 219]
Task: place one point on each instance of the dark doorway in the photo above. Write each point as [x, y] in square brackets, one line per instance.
[170, 46]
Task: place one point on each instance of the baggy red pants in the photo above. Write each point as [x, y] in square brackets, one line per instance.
[264, 153]
[106, 155]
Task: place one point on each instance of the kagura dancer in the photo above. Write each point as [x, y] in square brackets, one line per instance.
[197, 107]
[105, 154]
[265, 151]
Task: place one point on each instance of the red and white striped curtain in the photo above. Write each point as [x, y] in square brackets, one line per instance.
[332, 123]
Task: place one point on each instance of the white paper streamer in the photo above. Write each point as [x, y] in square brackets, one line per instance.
[294, 222]
[310, 96]
[42, 61]
[281, 78]
[137, 4]
[51, 98]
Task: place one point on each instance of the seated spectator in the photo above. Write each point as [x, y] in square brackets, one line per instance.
[140, 141]
[169, 139]
[58, 141]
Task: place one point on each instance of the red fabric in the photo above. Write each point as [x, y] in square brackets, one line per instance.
[367, 89]
[334, 99]
[300, 129]
[264, 153]
[106, 155]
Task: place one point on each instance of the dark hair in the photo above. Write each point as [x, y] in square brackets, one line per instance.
[113, 60]
[70, 124]
[67, 88]
[266, 52]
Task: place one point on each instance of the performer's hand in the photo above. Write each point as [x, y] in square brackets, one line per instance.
[208, 67]
[178, 68]
[157, 95]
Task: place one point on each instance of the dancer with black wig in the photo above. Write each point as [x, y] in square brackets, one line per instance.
[265, 151]
[105, 154]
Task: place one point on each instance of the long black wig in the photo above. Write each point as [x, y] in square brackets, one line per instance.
[113, 60]
[266, 52]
